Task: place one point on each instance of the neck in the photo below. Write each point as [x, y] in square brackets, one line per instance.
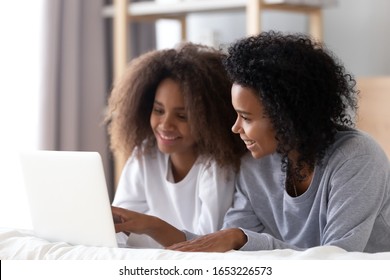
[298, 179]
[181, 165]
[300, 186]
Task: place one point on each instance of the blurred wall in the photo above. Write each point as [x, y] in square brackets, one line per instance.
[358, 32]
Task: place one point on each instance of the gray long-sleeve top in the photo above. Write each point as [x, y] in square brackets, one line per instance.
[347, 203]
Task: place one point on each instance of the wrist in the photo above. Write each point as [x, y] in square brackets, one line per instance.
[239, 238]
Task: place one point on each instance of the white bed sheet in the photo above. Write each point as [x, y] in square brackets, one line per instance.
[23, 245]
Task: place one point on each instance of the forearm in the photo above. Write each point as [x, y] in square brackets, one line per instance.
[164, 233]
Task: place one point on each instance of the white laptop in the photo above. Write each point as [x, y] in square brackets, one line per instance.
[68, 197]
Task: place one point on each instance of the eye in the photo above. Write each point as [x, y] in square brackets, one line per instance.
[182, 117]
[158, 110]
[245, 118]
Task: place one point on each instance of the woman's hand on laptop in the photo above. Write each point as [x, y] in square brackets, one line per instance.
[128, 221]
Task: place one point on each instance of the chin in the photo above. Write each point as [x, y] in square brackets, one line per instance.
[165, 150]
[256, 155]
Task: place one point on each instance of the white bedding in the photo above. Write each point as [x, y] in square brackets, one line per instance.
[23, 245]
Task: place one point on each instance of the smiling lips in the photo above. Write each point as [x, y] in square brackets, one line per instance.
[167, 137]
[249, 143]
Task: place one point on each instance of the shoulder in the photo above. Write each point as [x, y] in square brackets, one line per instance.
[209, 169]
[354, 144]
[356, 159]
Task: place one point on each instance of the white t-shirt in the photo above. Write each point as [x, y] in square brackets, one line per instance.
[197, 203]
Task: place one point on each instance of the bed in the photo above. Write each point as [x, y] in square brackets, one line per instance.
[23, 245]
[374, 117]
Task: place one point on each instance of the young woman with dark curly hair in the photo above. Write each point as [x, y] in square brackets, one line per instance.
[313, 179]
[171, 116]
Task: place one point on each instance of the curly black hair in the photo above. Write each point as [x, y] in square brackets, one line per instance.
[205, 86]
[303, 87]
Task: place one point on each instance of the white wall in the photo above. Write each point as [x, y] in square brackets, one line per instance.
[21, 76]
[227, 27]
[357, 31]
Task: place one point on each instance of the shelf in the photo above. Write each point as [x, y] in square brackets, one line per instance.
[153, 10]
[124, 11]
[158, 10]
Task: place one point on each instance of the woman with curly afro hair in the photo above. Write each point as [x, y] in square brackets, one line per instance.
[313, 179]
[171, 116]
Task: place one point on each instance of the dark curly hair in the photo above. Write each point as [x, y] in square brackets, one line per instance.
[206, 89]
[303, 87]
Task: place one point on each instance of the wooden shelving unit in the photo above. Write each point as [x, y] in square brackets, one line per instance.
[124, 11]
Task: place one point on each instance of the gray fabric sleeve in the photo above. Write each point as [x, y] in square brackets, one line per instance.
[190, 235]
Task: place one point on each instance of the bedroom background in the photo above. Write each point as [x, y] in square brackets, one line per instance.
[56, 70]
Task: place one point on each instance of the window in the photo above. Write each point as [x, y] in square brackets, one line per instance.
[21, 53]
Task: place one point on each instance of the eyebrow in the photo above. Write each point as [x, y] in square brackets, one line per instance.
[162, 105]
[243, 112]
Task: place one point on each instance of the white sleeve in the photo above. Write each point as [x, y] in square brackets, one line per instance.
[216, 187]
[130, 193]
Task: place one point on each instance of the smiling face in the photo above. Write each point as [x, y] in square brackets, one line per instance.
[169, 121]
[252, 124]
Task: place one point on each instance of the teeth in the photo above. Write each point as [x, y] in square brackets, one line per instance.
[168, 137]
[249, 142]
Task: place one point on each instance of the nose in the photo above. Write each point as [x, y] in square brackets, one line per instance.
[166, 122]
[236, 127]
